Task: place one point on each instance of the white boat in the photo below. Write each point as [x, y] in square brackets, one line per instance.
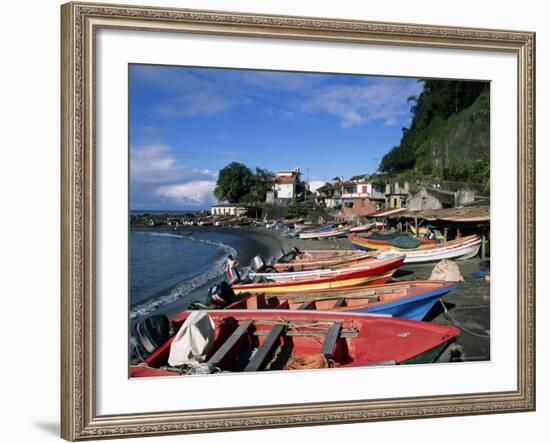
[457, 250]
[362, 228]
[319, 273]
[338, 232]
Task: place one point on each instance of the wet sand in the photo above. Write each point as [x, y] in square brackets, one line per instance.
[468, 307]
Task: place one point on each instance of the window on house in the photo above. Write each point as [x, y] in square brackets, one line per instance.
[348, 204]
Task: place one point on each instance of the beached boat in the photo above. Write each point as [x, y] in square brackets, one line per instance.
[315, 228]
[362, 228]
[331, 233]
[309, 260]
[460, 249]
[260, 340]
[381, 242]
[371, 272]
[410, 299]
[291, 223]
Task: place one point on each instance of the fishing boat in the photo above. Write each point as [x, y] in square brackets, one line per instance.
[362, 228]
[263, 340]
[309, 260]
[411, 300]
[460, 249]
[292, 223]
[371, 272]
[330, 233]
[382, 242]
[315, 228]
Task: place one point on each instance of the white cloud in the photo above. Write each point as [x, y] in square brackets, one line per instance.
[200, 102]
[157, 176]
[199, 191]
[156, 164]
[355, 105]
[315, 184]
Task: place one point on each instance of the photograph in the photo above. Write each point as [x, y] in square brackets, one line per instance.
[285, 220]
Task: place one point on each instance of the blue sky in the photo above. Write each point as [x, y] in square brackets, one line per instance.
[188, 123]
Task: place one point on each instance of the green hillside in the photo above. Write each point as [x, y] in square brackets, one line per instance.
[449, 134]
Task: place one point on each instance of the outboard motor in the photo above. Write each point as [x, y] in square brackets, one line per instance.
[153, 332]
[288, 256]
[221, 294]
[256, 264]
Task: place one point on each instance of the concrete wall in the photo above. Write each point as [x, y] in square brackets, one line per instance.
[284, 190]
[423, 200]
[464, 196]
[361, 206]
[229, 210]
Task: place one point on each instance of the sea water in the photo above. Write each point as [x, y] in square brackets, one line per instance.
[166, 266]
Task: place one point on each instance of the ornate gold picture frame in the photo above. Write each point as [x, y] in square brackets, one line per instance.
[80, 22]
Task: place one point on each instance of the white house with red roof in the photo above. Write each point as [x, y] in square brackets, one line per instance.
[284, 185]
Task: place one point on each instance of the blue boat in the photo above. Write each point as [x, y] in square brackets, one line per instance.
[410, 300]
[413, 307]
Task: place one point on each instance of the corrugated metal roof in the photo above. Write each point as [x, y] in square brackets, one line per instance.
[386, 212]
[464, 215]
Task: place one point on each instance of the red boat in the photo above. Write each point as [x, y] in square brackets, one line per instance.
[259, 340]
[310, 260]
[370, 272]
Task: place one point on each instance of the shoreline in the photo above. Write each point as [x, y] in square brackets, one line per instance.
[248, 242]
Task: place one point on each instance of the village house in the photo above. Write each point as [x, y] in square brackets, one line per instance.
[329, 195]
[396, 195]
[285, 184]
[361, 197]
[231, 209]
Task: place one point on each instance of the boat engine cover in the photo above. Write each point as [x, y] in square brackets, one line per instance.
[221, 294]
[257, 263]
[153, 331]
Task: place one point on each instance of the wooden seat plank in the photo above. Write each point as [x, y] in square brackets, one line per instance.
[305, 305]
[330, 339]
[230, 343]
[258, 360]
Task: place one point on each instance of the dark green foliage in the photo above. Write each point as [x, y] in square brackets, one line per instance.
[297, 209]
[239, 184]
[450, 127]
[262, 182]
[234, 182]
[476, 171]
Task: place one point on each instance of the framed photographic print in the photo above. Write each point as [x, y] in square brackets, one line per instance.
[280, 221]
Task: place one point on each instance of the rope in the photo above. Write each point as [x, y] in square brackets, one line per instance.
[136, 349]
[320, 325]
[315, 361]
[455, 322]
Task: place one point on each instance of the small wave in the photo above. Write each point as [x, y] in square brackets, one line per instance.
[186, 287]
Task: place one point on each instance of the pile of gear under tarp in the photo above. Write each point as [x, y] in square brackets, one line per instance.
[396, 239]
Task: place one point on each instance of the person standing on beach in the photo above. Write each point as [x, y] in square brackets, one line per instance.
[231, 270]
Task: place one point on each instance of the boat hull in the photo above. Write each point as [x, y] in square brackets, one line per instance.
[408, 300]
[362, 340]
[414, 308]
[334, 233]
[373, 273]
[325, 263]
[462, 249]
